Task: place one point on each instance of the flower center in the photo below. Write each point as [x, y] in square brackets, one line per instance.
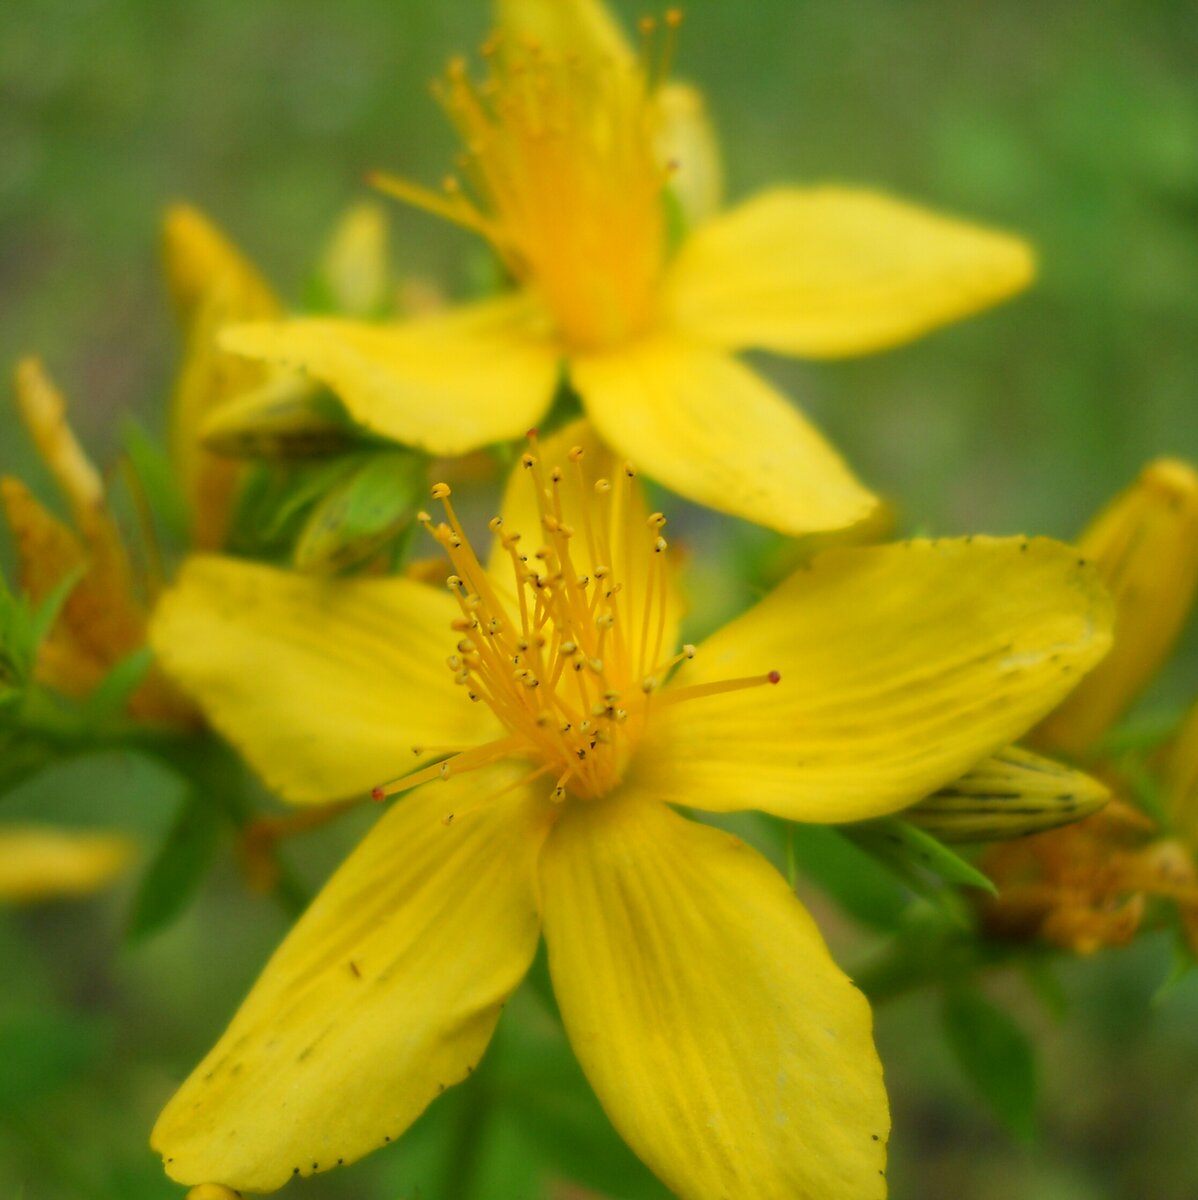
[558, 172]
[565, 640]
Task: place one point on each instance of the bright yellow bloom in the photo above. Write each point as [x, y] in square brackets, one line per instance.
[41, 863]
[561, 174]
[724, 1043]
[1145, 546]
[1086, 886]
[103, 620]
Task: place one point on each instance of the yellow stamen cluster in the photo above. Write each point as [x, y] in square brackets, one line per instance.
[558, 172]
[570, 657]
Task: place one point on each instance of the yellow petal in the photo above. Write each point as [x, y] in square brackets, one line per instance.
[44, 413]
[1009, 795]
[687, 147]
[563, 27]
[828, 272]
[1145, 546]
[447, 383]
[619, 524]
[384, 994]
[716, 432]
[40, 863]
[198, 257]
[325, 686]
[726, 1046]
[213, 286]
[1180, 779]
[355, 264]
[901, 668]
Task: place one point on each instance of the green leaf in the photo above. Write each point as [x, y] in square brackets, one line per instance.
[175, 872]
[47, 611]
[996, 1056]
[156, 474]
[910, 853]
[113, 691]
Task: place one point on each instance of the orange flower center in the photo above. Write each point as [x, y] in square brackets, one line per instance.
[565, 641]
[558, 172]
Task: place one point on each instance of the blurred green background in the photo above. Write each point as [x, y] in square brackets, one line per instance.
[1076, 125]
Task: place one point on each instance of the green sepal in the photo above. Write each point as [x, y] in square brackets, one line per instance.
[911, 855]
[369, 507]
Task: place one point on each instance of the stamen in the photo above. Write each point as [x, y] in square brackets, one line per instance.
[697, 690]
[561, 655]
[558, 171]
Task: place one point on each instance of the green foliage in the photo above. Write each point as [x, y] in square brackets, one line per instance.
[371, 505]
[179, 866]
[919, 862]
[996, 1057]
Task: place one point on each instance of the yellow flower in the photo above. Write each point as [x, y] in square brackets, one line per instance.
[726, 1046]
[212, 286]
[103, 620]
[41, 863]
[1085, 887]
[1145, 546]
[561, 175]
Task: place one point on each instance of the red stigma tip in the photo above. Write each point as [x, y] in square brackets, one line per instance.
[532, 433]
[774, 677]
[377, 795]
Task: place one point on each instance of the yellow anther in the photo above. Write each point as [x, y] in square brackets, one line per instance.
[657, 520]
[649, 684]
[575, 453]
[602, 486]
[526, 460]
[440, 491]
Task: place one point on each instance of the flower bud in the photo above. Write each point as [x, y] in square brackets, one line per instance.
[1008, 795]
[1145, 547]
